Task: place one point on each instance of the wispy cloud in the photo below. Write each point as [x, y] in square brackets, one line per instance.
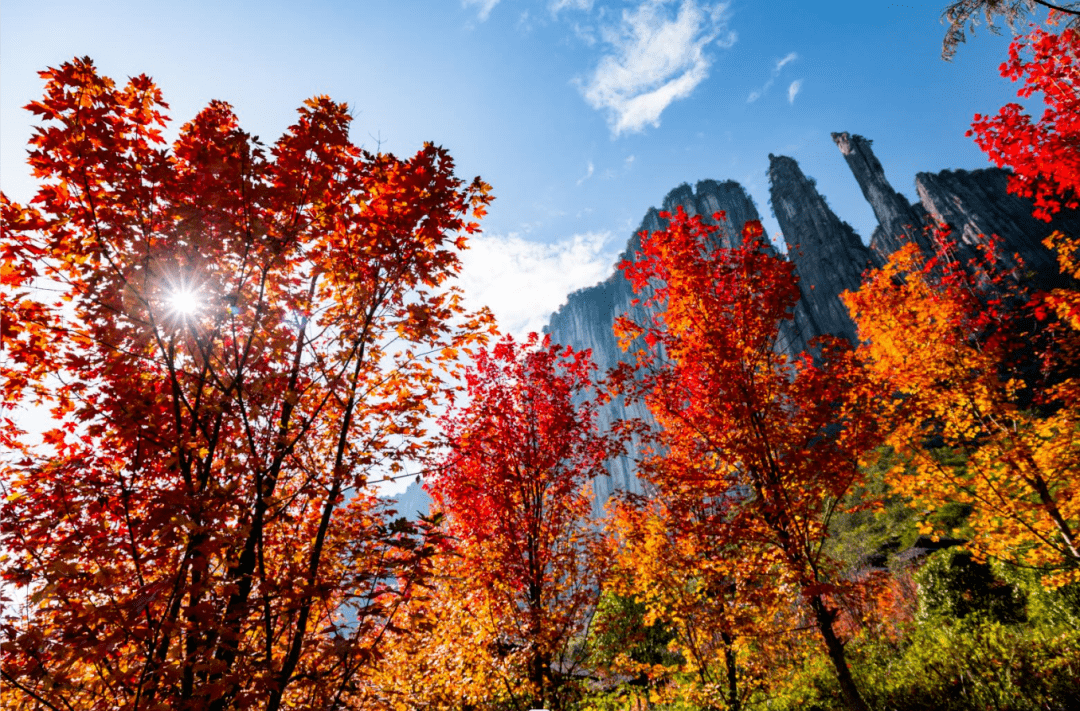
[610, 173]
[780, 63]
[793, 90]
[656, 57]
[485, 7]
[524, 282]
[791, 57]
[557, 6]
[588, 173]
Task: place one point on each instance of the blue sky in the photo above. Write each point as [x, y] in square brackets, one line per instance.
[581, 114]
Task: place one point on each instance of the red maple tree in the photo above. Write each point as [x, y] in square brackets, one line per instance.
[1042, 154]
[242, 338]
[516, 489]
[775, 439]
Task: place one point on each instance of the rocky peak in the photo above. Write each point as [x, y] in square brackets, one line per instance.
[587, 318]
[899, 221]
[829, 256]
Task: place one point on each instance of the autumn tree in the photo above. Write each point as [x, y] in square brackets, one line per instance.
[449, 651]
[515, 485]
[952, 339]
[673, 555]
[242, 339]
[774, 438]
[963, 16]
[948, 340]
[1042, 154]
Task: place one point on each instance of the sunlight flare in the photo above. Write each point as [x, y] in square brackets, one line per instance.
[184, 302]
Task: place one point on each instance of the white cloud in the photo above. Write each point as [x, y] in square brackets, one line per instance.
[558, 5]
[588, 173]
[610, 173]
[585, 33]
[791, 57]
[758, 93]
[524, 282]
[486, 6]
[656, 59]
[793, 90]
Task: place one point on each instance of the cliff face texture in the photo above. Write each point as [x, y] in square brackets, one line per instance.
[587, 318]
[976, 203]
[899, 222]
[829, 256]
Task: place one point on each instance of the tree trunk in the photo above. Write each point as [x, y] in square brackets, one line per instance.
[824, 618]
[732, 672]
[540, 676]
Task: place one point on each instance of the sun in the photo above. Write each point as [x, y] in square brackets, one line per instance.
[184, 302]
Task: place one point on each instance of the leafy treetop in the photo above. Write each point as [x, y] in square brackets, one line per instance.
[241, 339]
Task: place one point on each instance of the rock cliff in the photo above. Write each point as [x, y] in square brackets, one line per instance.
[587, 318]
[899, 221]
[412, 503]
[829, 256]
[976, 204]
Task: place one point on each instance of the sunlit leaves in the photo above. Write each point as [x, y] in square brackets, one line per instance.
[516, 488]
[1042, 154]
[769, 442]
[237, 346]
[951, 343]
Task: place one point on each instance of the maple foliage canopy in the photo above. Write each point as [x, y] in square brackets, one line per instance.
[1042, 154]
[516, 489]
[450, 652]
[242, 337]
[979, 365]
[774, 439]
[676, 557]
[948, 343]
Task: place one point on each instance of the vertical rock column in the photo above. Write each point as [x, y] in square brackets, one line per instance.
[829, 256]
[899, 222]
[587, 318]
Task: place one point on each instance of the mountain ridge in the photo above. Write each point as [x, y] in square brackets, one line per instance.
[829, 255]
